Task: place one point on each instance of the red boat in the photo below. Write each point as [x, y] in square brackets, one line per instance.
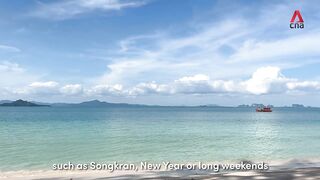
[264, 109]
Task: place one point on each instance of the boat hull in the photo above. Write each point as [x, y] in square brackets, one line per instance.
[264, 110]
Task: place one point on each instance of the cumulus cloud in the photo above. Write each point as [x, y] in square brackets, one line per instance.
[198, 84]
[105, 89]
[265, 80]
[40, 88]
[49, 84]
[304, 85]
[71, 8]
[71, 89]
[149, 88]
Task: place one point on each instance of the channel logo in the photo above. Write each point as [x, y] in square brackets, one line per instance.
[299, 24]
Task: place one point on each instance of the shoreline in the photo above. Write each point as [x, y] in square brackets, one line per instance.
[296, 173]
[290, 169]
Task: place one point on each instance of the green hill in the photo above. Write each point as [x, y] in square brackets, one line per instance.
[20, 103]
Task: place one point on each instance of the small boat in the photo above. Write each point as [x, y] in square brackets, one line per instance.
[264, 109]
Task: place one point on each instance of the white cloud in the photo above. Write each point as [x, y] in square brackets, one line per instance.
[71, 8]
[39, 88]
[49, 84]
[295, 46]
[304, 85]
[12, 74]
[212, 58]
[196, 78]
[71, 89]
[266, 80]
[110, 4]
[9, 48]
[198, 84]
[218, 49]
[44, 88]
[136, 69]
[6, 67]
[149, 88]
[105, 89]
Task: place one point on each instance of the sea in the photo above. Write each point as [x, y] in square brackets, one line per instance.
[35, 138]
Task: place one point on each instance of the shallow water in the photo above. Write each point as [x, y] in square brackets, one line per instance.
[36, 137]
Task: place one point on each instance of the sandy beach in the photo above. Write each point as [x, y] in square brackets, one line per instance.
[300, 173]
[293, 169]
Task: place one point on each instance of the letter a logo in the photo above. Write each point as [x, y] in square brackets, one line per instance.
[295, 14]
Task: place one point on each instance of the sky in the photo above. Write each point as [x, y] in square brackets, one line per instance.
[164, 52]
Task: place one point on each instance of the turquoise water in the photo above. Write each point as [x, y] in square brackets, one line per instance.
[36, 137]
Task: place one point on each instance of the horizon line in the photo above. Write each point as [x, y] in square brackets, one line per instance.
[142, 104]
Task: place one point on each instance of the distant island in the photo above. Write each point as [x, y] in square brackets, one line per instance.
[21, 103]
[255, 105]
[94, 103]
[102, 104]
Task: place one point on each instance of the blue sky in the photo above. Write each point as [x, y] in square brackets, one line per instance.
[164, 52]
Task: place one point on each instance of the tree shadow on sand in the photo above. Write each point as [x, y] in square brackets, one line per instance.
[301, 173]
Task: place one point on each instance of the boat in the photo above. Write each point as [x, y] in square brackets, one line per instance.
[264, 109]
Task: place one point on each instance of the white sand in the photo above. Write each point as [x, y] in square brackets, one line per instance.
[306, 173]
[293, 169]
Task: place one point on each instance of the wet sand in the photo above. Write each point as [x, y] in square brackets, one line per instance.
[284, 174]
